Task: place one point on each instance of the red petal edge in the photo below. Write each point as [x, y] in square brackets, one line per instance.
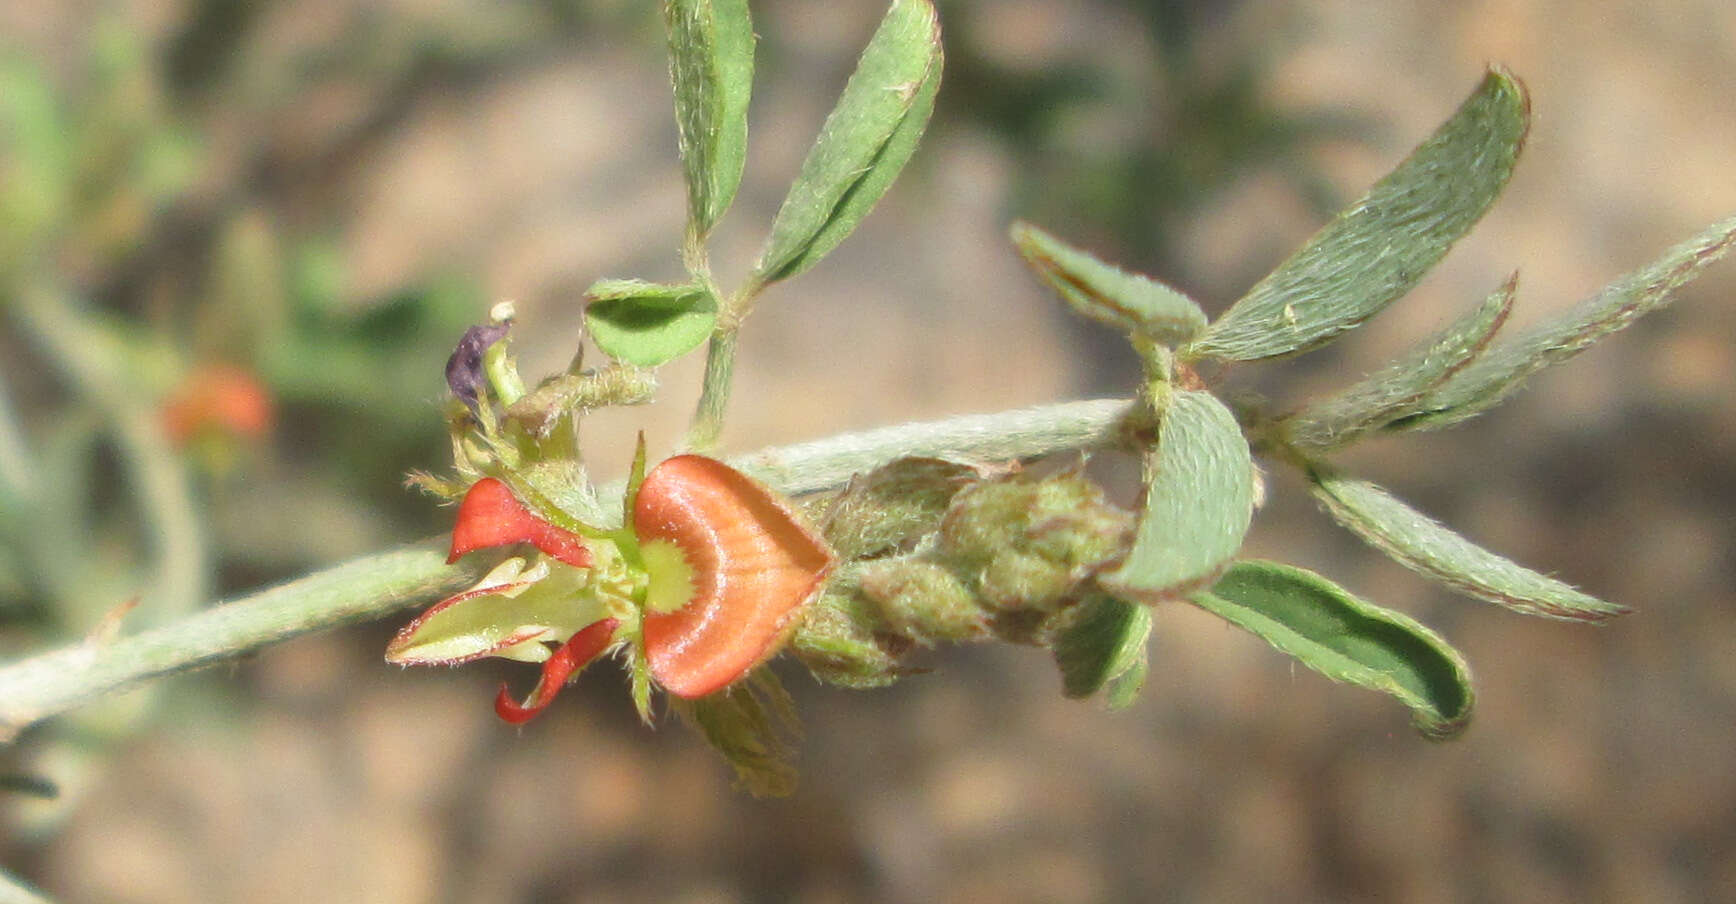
[755, 568]
[572, 656]
[408, 632]
[491, 515]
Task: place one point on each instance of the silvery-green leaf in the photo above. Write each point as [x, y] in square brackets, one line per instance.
[648, 323]
[1199, 499]
[1426, 546]
[1374, 252]
[711, 46]
[1506, 365]
[865, 142]
[1393, 392]
[1132, 303]
[1348, 640]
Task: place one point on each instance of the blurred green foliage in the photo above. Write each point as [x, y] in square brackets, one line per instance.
[1208, 122]
[135, 253]
[1169, 136]
[194, 400]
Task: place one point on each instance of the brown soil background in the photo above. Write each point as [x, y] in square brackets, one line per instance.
[1601, 767]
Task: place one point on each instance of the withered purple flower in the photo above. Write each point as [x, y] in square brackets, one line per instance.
[464, 374]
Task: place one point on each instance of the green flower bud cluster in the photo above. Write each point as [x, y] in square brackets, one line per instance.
[988, 557]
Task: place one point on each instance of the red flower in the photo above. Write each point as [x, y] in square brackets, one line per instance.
[704, 585]
[221, 398]
[753, 568]
[491, 516]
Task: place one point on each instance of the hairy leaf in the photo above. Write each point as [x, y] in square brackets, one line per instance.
[753, 726]
[1346, 639]
[711, 64]
[1199, 499]
[1374, 252]
[1103, 645]
[1394, 392]
[1129, 302]
[1431, 549]
[865, 142]
[1500, 371]
[648, 323]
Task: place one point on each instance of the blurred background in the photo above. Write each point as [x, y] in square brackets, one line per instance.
[238, 239]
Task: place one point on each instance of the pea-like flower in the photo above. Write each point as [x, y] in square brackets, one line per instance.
[705, 581]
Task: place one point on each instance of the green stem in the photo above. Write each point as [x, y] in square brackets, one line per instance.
[1019, 434]
[366, 588]
[373, 586]
[714, 394]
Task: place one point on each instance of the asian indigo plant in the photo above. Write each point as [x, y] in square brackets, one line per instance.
[853, 557]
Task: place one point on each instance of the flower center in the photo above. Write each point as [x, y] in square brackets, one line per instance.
[669, 577]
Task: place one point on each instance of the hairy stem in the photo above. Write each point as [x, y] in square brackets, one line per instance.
[365, 588]
[714, 393]
[1004, 436]
[372, 586]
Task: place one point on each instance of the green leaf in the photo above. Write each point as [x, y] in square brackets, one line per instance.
[1199, 499]
[1394, 392]
[1132, 303]
[1429, 548]
[711, 46]
[1496, 374]
[865, 142]
[1103, 645]
[1375, 251]
[648, 323]
[752, 725]
[1347, 640]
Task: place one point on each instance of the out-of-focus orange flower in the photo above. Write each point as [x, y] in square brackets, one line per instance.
[218, 398]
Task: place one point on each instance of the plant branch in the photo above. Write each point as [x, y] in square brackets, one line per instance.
[714, 392]
[373, 586]
[1021, 433]
[54, 682]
